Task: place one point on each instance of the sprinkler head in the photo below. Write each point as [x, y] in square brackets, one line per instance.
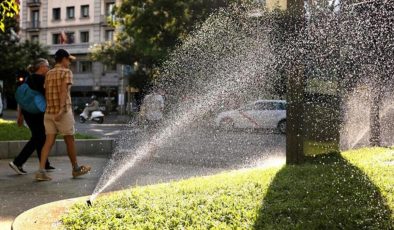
[89, 203]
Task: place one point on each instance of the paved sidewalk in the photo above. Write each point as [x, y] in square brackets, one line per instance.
[19, 193]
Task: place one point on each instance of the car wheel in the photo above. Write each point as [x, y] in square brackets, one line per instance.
[227, 124]
[282, 126]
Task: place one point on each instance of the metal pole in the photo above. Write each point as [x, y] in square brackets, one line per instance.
[129, 102]
[121, 98]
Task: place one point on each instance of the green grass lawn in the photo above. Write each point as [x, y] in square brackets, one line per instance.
[352, 190]
[9, 131]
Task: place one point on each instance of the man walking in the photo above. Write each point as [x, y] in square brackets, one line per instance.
[59, 118]
[152, 108]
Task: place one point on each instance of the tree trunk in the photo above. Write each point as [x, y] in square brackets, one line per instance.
[375, 139]
[295, 91]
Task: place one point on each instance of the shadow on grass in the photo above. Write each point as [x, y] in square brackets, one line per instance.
[326, 192]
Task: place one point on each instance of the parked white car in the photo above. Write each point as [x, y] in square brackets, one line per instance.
[261, 114]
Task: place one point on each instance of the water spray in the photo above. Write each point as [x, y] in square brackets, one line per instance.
[228, 81]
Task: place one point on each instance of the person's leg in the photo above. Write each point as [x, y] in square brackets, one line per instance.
[26, 152]
[49, 141]
[90, 110]
[51, 132]
[72, 154]
[87, 111]
[67, 129]
[39, 138]
[17, 163]
[39, 145]
[40, 142]
[29, 148]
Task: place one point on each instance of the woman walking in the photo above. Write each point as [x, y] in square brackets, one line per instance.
[35, 121]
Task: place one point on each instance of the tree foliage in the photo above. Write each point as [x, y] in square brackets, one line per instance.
[15, 55]
[151, 29]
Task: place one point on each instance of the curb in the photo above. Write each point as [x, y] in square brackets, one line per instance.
[11, 149]
[45, 216]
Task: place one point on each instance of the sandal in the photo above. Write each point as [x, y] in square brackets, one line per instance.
[81, 170]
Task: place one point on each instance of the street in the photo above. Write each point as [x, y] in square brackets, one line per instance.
[100, 130]
[202, 149]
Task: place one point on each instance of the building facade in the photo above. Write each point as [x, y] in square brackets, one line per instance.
[75, 25]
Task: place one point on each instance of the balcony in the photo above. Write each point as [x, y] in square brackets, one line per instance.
[105, 19]
[34, 3]
[33, 26]
[75, 48]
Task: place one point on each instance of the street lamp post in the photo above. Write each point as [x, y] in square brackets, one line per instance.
[121, 92]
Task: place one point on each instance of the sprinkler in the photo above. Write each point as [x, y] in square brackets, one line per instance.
[89, 203]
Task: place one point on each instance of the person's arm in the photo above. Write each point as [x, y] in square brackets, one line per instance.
[63, 97]
[19, 119]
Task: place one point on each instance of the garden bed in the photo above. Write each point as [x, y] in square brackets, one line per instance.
[352, 190]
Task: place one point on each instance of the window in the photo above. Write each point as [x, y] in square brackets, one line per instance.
[84, 36]
[70, 12]
[85, 67]
[56, 14]
[247, 107]
[35, 15]
[35, 18]
[63, 38]
[85, 11]
[282, 106]
[110, 68]
[269, 106]
[109, 35]
[34, 38]
[73, 66]
[56, 39]
[109, 8]
[70, 38]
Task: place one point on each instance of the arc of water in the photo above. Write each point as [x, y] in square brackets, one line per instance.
[205, 100]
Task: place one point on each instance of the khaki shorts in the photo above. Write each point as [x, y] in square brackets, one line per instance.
[63, 127]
